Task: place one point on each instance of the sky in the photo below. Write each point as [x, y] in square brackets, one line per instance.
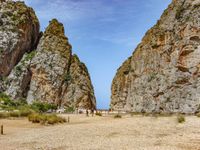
[103, 33]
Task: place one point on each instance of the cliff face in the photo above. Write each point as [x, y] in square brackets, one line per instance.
[19, 33]
[163, 74]
[49, 73]
[50, 65]
[79, 90]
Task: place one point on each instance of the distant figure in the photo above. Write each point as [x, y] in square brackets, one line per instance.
[109, 110]
[92, 112]
[87, 113]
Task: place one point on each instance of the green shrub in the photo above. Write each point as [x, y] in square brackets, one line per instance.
[42, 107]
[5, 99]
[67, 77]
[180, 118]
[69, 109]
[18, 70]
[179, 12]
[7, 104]
[98, 113]
[30, 55]
[117, 116]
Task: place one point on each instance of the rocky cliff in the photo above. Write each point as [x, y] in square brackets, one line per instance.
[45, 71]
[163, 73]
[19, 33]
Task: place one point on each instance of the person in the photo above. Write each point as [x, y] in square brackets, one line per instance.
[87, 113]
[92, 112]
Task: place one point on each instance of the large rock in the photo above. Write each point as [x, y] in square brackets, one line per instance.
[50, 65]
[51, 74]
[19, 33]
[78, 89]
[163, 74]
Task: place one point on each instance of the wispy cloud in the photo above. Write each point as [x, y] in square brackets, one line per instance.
[98, 15]
[70, 9]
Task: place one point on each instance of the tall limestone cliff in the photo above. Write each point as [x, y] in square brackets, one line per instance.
[19, 33]
[79, 89]
[163, 73]
[45, 71]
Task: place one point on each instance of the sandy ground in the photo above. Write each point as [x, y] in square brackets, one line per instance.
[99, 133]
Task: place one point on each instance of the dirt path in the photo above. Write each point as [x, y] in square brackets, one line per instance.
[99, 133]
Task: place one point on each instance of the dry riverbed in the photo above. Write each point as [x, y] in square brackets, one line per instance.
[99, 133]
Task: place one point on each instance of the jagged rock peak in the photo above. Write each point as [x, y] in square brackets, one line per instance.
[54, 39]
[55, 28]
[162, 75]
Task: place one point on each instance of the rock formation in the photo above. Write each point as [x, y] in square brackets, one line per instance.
[163, 73]
[48, 73]
[79, 89]
[19, 33]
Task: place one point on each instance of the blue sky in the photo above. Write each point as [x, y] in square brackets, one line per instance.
[103, 33]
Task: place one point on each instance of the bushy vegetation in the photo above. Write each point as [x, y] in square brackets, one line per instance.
[42, 107]
[67, 77]
[45, 118]
[181, 118]
[98, 113]
[30, 55]
[7, 104]
[179, 12]
[20, 108]
[18, 70]
[69, 109]
[117, 116]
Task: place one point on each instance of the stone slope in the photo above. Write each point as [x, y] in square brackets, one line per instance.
[19, 33]
[51, 74]
[163, 74]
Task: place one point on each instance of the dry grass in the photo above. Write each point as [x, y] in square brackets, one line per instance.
[17, 113]
[198, 114]
[98, 114]
[117, 116]
[45, 119]
[102, 133]
[180, 118]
